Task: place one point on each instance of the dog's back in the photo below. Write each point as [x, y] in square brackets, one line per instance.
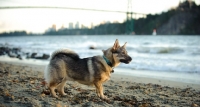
[66, 65]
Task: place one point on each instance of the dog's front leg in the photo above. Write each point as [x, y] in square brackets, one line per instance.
[99, 90]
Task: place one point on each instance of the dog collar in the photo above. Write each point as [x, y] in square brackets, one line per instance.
[107, 61]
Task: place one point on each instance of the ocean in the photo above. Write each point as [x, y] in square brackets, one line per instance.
[167, 57]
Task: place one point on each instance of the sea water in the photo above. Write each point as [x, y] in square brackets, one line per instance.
[170, 57]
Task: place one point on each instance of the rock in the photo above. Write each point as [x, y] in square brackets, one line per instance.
[58, 105]
[92, 47]
[11, 52]
[12, 55]
[103, 103]
[2, 50]
[44, 56]
[12, 97]
[33, 55]
[19, 57]
[27, 55]
[15, 50]
[88, 104]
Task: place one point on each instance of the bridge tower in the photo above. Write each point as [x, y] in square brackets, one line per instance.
[129, 19]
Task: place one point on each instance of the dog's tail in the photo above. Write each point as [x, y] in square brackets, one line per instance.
[66, 52]
[58, 53]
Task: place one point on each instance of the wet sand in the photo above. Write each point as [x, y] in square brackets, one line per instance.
[22, 85]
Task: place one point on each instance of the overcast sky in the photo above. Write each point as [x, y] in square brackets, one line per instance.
[38, 20]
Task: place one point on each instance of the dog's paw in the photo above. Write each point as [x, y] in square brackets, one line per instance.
[53, 94]
[104, 98]
[63, 94]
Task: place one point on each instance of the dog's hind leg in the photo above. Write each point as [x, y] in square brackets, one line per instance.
[61, 88]
[52, 87]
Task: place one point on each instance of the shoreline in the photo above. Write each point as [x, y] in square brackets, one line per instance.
[147, 80]
[23, 85]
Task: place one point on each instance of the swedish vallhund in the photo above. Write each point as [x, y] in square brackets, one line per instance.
[66, 65]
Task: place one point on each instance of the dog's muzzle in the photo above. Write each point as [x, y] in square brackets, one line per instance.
[127, 60]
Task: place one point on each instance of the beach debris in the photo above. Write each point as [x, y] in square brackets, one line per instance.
[58, 105]
[32, 81]
[15, 80]
[144, 105]
[46, 92]
[43, 83]
[12, 97]
[6, 93]
[134, 87]
[194, 105]
[42, 95]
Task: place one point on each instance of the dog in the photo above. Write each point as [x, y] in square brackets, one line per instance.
[65, 65]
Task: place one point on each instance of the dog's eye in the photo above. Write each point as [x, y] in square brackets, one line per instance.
[124, 52]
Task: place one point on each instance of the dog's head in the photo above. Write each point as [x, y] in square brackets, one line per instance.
[118, 53]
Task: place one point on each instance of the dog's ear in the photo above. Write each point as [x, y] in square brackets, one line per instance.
[103, 51]
[116, 45]
[124, 46]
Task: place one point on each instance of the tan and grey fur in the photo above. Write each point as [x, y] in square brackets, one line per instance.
[66, 65]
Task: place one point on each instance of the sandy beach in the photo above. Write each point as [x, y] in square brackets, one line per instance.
[22, 85]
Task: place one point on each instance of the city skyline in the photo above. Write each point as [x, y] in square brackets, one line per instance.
[71, 25]
[37, 20]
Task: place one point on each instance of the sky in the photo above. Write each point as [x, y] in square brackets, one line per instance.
[39, 20]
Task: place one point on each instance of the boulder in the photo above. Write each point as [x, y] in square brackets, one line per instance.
[33, 55]
[92, 47]
[44, 56]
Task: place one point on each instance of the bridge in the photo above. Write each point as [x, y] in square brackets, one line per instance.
[130, 15]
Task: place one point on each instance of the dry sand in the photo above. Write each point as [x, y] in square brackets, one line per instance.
[21, 85]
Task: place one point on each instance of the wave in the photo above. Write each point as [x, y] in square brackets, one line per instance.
[148, 54]
[159, 50]
[169, 64]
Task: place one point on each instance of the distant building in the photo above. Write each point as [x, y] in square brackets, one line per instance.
[115, 21]
[92, 26]
[54, 26]
[77, 25]
[71, 26]
[51, 29]
[83, 27]
[62, 27]
[107, 22]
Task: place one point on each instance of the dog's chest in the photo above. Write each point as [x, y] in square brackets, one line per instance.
[105, 77]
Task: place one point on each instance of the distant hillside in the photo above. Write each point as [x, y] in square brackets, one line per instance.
[185, 19]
